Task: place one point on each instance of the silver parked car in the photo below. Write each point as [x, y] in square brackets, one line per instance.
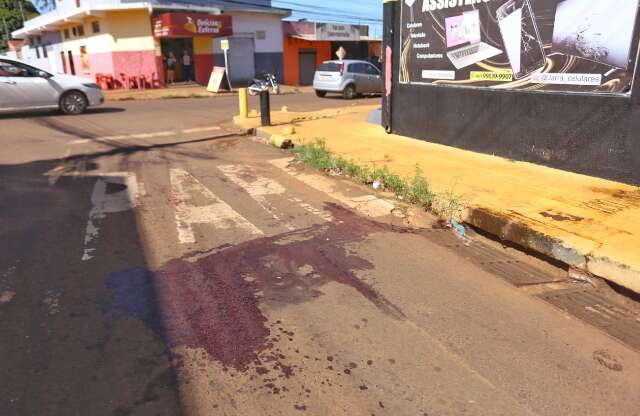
[348, 77]
[25, 87]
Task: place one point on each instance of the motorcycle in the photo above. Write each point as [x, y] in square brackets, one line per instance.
[263, 84]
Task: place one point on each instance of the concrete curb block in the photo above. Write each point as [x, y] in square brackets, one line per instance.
[263, 134]
[275, 140]
[512, 231]
[515, 232]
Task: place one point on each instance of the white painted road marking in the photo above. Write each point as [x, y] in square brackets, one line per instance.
[108, 203]
[311, 209]
[146, 135]
[258, 187]
[369, 205]
[200, 129]
[185, 189]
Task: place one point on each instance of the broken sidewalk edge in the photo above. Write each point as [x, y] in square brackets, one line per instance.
[506, 229]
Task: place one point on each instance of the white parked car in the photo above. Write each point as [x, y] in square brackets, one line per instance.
[348, 77]
[24, 87]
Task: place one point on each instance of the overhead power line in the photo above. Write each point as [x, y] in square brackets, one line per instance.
[321, 12]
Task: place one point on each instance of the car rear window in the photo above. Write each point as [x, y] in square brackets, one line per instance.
[330, 67]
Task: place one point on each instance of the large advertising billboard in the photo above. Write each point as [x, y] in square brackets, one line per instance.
[547, 45]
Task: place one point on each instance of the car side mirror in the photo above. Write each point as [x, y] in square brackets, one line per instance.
[43, 74]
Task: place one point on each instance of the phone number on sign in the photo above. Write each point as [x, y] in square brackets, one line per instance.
[491, 76]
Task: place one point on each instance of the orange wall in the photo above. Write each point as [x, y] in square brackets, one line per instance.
[292, 48]
[375, 48]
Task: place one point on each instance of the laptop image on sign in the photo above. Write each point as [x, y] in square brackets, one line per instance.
[464, 30]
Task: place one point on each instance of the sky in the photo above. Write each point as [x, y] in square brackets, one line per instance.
[367, 12]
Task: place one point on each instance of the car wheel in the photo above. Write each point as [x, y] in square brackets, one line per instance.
[321, 94]
[73, 102]
[349, 92]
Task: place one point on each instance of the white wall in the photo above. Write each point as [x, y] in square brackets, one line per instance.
[247, 24]
[52, 62]
[33, 51]
[10, 54]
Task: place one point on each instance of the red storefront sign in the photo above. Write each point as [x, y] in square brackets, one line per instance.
[192, 24]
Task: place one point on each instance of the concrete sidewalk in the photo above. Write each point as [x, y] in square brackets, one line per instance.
[183, 91]
[586, 222]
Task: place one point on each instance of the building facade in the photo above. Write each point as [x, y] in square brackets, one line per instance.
[308, 44]
[124, 39]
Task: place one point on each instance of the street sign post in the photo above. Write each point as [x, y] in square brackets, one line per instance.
[224, 45]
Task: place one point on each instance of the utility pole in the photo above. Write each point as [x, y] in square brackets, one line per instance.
[21, 10]
[6, 29]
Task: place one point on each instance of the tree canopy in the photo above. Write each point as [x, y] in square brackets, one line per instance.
[11, 14]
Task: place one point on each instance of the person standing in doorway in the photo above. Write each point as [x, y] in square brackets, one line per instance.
[171, 66]
[187, 67]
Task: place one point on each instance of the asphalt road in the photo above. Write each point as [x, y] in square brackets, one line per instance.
[155, 121]
[172, 274]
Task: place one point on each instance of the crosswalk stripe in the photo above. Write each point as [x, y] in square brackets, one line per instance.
[201, 129]
[258, 188]
[217, 212]
[369, 205]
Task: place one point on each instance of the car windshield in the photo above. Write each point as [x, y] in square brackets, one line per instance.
[330, 67]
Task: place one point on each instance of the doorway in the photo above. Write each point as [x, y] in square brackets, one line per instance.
[64, 63]
[242, 65]
[178, 46]
[72, 65]
[307, 67]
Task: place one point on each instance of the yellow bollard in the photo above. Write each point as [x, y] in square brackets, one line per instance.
[244, 102]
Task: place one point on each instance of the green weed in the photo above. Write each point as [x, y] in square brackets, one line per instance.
[415, 190]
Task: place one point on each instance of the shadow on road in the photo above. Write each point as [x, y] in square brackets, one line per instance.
[338, 96]
[49, 113]
[68, 346]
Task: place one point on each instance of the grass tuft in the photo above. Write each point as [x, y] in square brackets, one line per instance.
[414, 190]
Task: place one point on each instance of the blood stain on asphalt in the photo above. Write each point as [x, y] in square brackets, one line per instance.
[202, 302]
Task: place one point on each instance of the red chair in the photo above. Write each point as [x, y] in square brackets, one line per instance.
[148, 81]
[111, 84]
[124, 81]
[155, 81]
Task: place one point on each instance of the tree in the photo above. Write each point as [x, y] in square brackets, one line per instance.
[11, 15]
